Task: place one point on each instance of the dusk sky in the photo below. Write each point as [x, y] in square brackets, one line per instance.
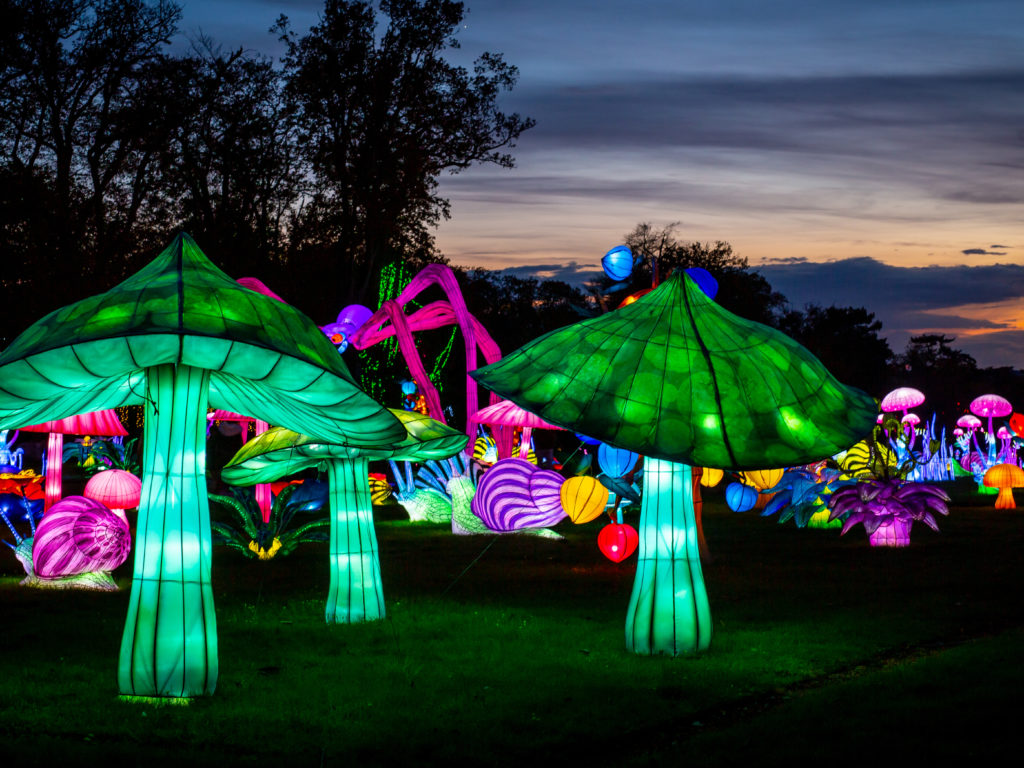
[858, 152]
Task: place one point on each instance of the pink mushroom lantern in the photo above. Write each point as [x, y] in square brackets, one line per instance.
[902, 399]
[115, 489]
[508, 415]
[990, 407]
[910, 422]
[97, 423]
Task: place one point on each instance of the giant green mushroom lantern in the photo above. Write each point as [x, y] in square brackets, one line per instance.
[176, 337]
[684, 382]
[355, 593]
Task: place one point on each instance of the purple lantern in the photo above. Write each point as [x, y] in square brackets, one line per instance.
[505, 499]
[349, 320]
[78, 535]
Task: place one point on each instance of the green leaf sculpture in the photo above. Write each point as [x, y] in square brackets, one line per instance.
[355, 593]
[177, 337]
[684, 382]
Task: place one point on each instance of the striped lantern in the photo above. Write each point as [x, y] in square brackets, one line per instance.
[79, 535]
[504, 496]
[615, 461]
[740, 497]
[583, 498]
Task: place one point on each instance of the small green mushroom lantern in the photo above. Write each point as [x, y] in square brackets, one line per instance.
[176, 337]
[355, 593]
[684, 382]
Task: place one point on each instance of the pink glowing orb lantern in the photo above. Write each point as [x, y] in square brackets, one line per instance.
[116, 489]
[617, 541]
[957, 432]
[902, 399]
[97, 424]
[508, 415]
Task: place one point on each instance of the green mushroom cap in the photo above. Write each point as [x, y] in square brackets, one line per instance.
[677, 377]
[279, 452]
[267, 359]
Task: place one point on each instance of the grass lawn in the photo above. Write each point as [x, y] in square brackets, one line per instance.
[509, 649]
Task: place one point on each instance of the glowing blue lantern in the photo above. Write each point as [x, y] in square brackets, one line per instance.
[618, 263]
[615, 461]
[704, 280]
[740, 497]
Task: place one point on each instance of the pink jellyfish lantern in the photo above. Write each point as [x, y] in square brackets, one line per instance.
[115, 489]
[507, 416]
[96, 423]
[990, 407]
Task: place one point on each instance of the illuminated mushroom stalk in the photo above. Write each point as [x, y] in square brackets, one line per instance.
[355, 592]
[669, 607]
[174, 649]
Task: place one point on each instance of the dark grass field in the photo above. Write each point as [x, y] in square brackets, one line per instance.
[509, 651]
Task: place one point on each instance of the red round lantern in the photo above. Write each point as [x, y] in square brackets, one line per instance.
[618, 541]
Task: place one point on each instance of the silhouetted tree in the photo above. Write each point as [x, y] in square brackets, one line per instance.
[231, 162]
[846, 340]
[383, 115]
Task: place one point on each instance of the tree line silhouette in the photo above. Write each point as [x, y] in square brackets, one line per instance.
[316, 173]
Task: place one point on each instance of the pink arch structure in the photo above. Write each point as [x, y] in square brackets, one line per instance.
[390, 320]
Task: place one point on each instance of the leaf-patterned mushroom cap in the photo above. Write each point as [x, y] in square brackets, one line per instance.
[266, 358]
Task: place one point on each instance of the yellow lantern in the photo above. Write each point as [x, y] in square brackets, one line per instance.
[710, 477]
[761, 479]
[583, 498]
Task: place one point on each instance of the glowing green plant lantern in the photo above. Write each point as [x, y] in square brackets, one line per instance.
[177, 337]
[355, 592]
[675, 377]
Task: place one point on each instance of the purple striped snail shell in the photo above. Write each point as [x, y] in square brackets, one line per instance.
[78, 535]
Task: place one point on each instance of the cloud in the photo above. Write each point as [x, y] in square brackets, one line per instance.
[785, 260]
[572, 273]
[982, 305]
[1000, 247]
[982, 252]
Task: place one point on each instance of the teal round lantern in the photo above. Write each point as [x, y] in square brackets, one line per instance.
[615, 462]
[739, 497]
[618, 263]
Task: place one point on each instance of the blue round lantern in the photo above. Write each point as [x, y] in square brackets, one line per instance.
[704, 280]
[618, 263]
[740, 497]
[615, 461]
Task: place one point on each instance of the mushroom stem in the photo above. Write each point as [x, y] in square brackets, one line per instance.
[1005, 498]
[668, 610]
[54, 469]
[356, 593]
[169, 646]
